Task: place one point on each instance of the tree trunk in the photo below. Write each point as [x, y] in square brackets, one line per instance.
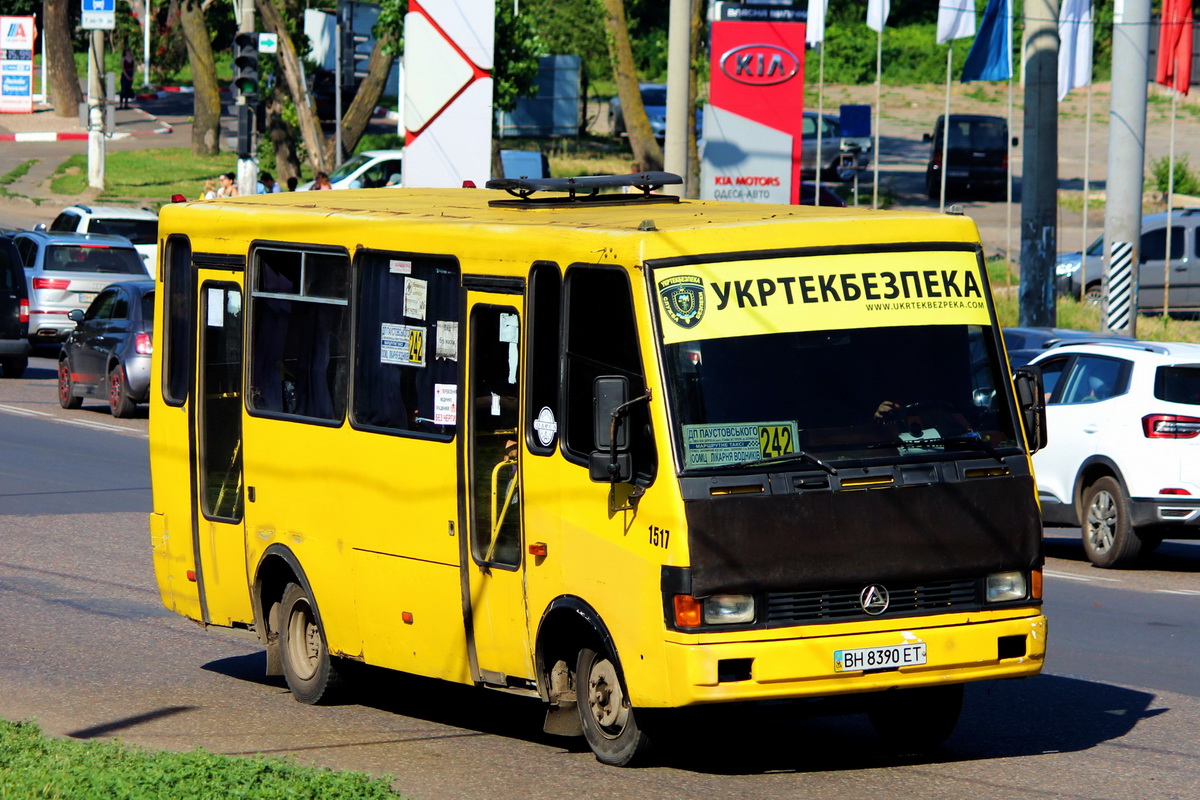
[287, 162]
[206, 113]
[358, 115]
[60, 59]
[293, 73]
[646, 149]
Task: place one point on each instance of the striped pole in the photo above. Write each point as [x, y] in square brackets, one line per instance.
[1119, 290]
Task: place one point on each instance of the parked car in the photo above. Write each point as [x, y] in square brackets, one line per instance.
[977, 158]
[808, 196]
[1025, 344]
[1074, 270]
[654, 98]
[14, 312]
[1123, 459]
[107, 355]
[65, 271]
[841, 157]
[369, 169]
[138, 225]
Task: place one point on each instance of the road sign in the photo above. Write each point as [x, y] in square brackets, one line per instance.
[99, 15]
[268, 43]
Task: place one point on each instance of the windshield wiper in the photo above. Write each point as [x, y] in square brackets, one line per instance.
[795, 455]
[972, 439]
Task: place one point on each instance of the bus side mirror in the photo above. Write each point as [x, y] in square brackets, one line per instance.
[1031, 400]
[611, 461]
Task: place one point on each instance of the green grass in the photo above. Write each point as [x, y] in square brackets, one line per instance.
[1073, 314]
[144, 175]
[35, 766]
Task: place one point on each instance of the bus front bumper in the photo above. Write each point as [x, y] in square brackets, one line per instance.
[715, 672]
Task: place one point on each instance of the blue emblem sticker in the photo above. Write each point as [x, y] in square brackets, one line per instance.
[683, 299]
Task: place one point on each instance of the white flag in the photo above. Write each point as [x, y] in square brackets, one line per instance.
[877, 14]
[956, 20]
[1075, 31]
[815, 27]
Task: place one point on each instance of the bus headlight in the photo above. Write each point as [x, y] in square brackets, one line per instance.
[1005, 586]
[728, 609]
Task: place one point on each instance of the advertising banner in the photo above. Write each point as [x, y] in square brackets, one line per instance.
[753, 127]
[16, 64]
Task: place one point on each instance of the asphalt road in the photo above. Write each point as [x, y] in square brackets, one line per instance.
[90, 653]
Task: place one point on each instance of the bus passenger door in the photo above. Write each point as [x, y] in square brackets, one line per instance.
[497, 628]
[219, 526]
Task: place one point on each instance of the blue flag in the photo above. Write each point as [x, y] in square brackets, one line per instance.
[990, 58]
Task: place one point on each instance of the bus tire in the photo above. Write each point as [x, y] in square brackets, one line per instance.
[915, 721]
[608, 721]
[1108, 536]
[307, 666]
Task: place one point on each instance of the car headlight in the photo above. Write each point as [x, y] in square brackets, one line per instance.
[728, 609]
[1064, 268]
[1005, 586]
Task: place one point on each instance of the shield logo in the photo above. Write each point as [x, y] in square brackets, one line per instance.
[683, 299]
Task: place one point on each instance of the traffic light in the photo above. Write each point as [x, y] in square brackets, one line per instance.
[245, 65]
[356, 53]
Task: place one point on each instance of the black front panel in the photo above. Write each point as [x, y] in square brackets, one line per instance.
[797, 541]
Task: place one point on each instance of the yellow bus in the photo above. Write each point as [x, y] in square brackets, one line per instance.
[589, 443]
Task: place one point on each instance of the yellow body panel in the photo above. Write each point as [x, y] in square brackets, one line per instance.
[375, 520]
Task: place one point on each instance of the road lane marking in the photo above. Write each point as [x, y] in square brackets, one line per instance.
[1189, 592]
[25, 412]
[83, 423]
[1067, 576]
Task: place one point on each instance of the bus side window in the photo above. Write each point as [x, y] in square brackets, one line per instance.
[299, 333]
[544, 343]
[602, 339]
[178, 343]
[406, 360]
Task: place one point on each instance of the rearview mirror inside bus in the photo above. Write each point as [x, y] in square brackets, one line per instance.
[610, 462]
[1031, 399]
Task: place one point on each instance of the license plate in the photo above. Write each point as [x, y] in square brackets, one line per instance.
[889, 657]
[87, 297]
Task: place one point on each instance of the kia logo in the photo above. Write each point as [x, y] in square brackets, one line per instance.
[760, 64]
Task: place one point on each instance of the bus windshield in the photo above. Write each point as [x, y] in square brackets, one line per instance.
[828, 360]
[839, 396]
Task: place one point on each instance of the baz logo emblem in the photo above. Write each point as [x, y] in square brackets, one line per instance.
[683, 299]
[874, 599]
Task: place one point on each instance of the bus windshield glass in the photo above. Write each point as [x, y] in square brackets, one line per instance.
[823, 362]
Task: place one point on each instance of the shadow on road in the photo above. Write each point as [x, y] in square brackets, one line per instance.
[1177, 556]
[1003, 719]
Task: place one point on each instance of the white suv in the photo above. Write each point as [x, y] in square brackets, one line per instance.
[1123, 458]
[138, 225]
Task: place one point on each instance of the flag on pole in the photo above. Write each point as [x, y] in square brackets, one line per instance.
[877, 14]
[1175, 45]
[815, 31]
[1075, 46]
[956, 20]
[990, 58]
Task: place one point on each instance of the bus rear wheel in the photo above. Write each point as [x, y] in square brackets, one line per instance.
[310, 671]
[915, 721]
[608, 721]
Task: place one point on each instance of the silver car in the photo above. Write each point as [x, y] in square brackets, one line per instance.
[66, 271]
[841, 156]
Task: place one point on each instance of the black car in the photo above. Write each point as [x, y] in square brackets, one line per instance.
[14, 312]
[108, 353]
[977, 157]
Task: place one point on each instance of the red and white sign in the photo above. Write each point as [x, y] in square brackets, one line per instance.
[753, 128]
[16, 64]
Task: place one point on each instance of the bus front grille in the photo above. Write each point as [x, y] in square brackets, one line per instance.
[788, 608]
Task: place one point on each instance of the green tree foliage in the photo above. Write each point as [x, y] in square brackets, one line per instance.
[1186, 181]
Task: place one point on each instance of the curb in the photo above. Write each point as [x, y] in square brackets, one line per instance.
[74, 136]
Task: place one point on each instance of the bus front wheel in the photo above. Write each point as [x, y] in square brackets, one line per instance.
[307, 666]
[915, 721]
[608, 721]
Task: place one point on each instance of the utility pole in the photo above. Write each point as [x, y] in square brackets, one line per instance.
[1039, 176]
[1126, 157]
[95, 111]
[679, 115]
